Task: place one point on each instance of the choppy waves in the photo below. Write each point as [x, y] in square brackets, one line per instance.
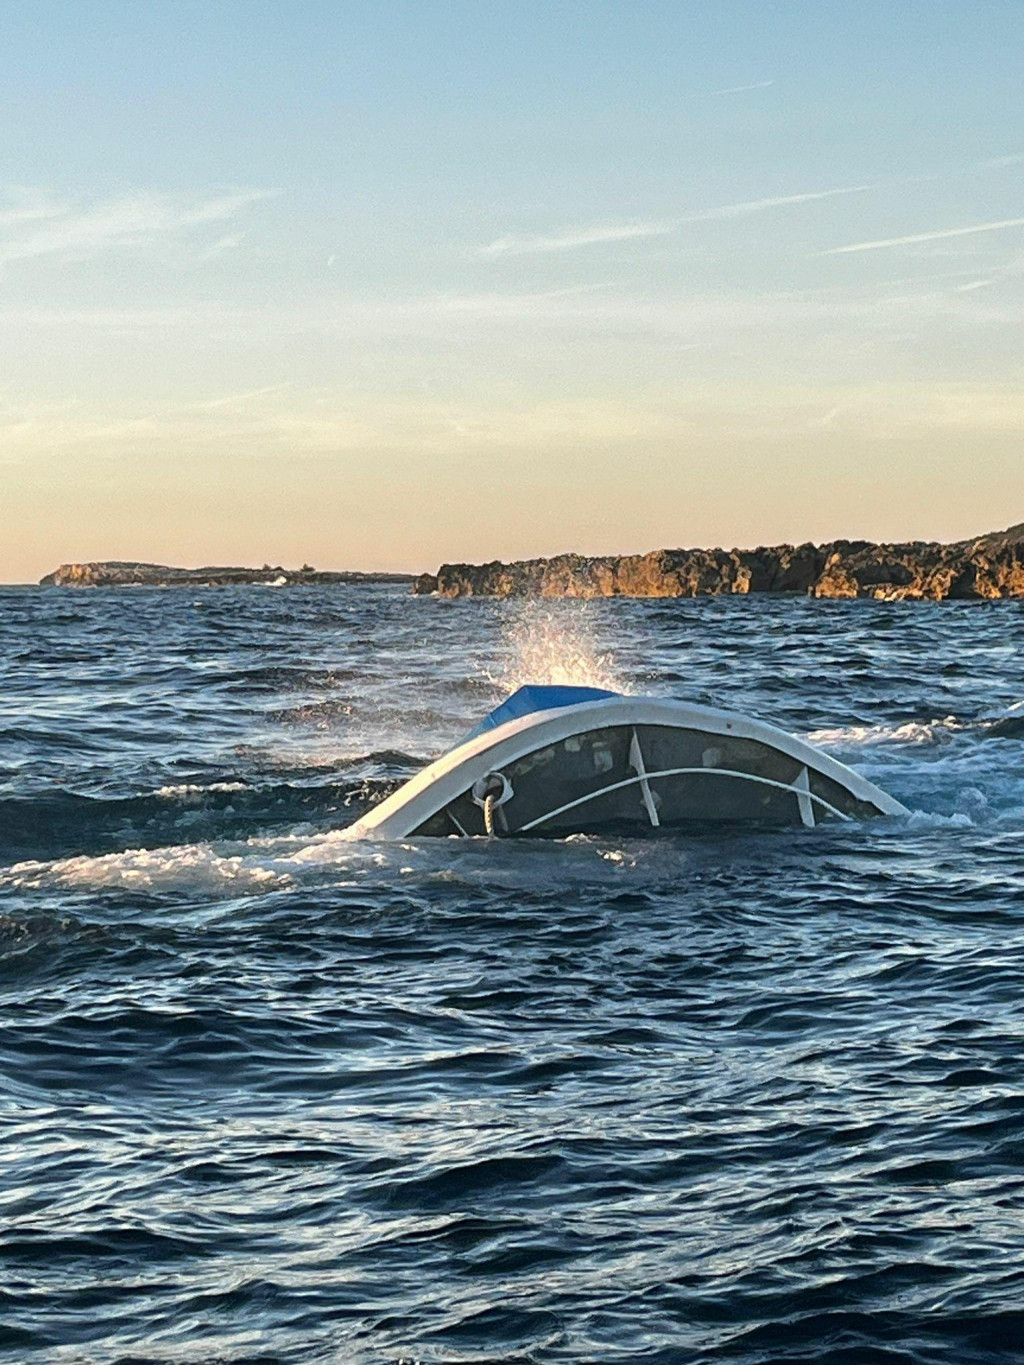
[271, 1095]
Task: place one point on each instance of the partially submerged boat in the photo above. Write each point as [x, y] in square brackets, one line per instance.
[554, 761]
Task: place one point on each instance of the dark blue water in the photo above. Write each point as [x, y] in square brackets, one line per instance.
[272, 1095]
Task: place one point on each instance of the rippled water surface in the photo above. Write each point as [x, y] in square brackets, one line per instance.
[271, 1095]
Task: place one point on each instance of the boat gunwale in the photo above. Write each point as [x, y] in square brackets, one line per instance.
[433, 787]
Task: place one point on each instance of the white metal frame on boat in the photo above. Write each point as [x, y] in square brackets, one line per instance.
[454, 773]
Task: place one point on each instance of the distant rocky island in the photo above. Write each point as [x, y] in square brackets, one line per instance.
[126, 573]
[991, 566]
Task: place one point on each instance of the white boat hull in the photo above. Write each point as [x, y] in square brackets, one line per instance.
[621, 761]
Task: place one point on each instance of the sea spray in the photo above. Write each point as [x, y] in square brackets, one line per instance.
[553, 643]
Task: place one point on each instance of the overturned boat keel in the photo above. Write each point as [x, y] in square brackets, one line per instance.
[554, 761]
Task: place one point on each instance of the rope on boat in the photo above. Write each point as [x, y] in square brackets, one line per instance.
[489, 792]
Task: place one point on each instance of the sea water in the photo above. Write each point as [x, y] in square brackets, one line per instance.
[271, 1095]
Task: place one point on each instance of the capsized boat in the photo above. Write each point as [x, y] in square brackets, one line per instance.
[554, 761]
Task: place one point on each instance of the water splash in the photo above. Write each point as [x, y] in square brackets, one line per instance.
[552, 642]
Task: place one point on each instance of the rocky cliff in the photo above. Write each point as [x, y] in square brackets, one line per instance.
[124, 573]
[990, 567]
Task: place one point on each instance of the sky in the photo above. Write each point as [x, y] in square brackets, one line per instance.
[378, 285]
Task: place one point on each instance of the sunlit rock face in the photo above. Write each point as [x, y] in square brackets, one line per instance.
[112, 573]
[989, 567]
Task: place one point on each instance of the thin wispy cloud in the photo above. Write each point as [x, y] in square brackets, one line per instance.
[572, 238]
[749, 206]
[46, 227]
[941, 235]
[233, 400]
[218, 248]
[637, 229]
[125, 320]
[522, 303]
[997, 163]
[25, 206]
[225, 206]
[742, 89]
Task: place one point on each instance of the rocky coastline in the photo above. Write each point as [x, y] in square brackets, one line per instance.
[989, 567]
[126, 573]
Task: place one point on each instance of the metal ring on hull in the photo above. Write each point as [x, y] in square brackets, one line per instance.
[491, 791]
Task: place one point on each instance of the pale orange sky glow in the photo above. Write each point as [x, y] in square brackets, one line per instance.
[412, 309]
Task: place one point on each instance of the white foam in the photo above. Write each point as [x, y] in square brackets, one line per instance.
[618, 855]
[929, 819]
[939, 731]
[306, 857]
[183, 867]
[197, 788]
